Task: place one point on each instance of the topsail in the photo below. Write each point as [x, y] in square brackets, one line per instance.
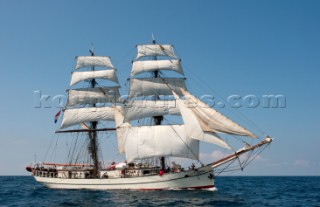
[93, 61]
[155, 50]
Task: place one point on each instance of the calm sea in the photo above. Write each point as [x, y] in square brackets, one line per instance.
[231, 191]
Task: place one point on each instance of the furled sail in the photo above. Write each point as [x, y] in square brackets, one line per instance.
[93, 95]
[81, 115]
[211, 119]
[159, 141]
[153, 65]
[155, 50]
[155, 86]
[139, 109]
[101, 74]
[93, 61]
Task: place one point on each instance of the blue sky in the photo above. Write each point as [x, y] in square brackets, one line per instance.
[234, 47]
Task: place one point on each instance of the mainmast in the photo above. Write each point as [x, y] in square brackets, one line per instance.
[156, 141]
[93, 146]
[158, 119]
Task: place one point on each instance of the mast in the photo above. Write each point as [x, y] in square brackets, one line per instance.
[158, 119]
[93, 146]
[82, 110]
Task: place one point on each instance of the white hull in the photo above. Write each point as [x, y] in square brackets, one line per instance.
[182, 180]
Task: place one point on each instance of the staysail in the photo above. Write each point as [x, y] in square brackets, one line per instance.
[194, 129]
[210, 119]
[122, 129]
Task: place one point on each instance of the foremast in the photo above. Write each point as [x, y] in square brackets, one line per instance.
[82, 112]
[93, 145]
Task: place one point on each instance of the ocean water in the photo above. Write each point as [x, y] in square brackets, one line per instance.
[231, 191]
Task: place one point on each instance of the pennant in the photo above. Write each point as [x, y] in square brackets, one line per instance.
[56, 117]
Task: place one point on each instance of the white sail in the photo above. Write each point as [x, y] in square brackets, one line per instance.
[157, 141]
[139, 109]
[93, 95]
[155, 50]
[153, 65]
[92, 61]
[102, 74]
[155, 86]
[194, 129]
[81, 115]
[122, 129]
[212, 119]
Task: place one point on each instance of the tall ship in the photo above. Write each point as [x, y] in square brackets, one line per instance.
[157, 124]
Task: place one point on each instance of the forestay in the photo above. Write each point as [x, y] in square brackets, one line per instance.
[101, 74]
[159, 141]
[93, 95]
[93, 61]
[155, 86]
[155, 50]
[153, 65]
[82, 115]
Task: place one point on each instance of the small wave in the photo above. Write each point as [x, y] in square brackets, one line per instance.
[210, 189]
